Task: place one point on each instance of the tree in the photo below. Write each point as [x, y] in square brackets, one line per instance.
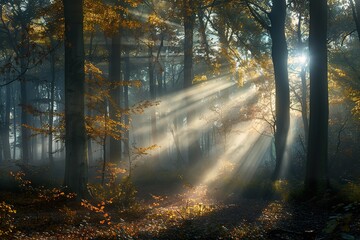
[120, 22]
[316, 179]
[279, 54]
[16, 20]
[194, 150]
[76, 165]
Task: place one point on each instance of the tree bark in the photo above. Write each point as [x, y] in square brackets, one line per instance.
[25, 132]
[304, 106]
[76, 163]
[194, 151]
[51, 108]
[316, 179]
[304, 94]
[152, 86]
[14, 123]
[6, 135]
[279, 54]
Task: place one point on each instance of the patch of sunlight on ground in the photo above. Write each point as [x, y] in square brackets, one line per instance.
[274, 212]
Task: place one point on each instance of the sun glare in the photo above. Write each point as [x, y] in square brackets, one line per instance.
[301, 59]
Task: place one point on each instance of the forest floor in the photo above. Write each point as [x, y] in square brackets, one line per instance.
[160, 213]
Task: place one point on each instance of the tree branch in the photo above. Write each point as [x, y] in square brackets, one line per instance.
[257, 16]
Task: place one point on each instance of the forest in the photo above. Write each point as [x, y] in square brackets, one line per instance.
[180, 119]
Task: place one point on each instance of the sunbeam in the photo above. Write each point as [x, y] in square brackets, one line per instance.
[145, 16]
[243, 156]
[185, 101]
[199, 124]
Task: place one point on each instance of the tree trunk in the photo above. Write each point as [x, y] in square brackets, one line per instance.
[88, 110]
[304, 94]
[152, 86]
[14, 123]
[194, 152]
[25, 132]
[42, 141]
[203, 35]
[304, 107]
[116, 93]
[51, 109]
[76, 164]
[316, 179]
[126, 106]
[6, 135]
[280, 61]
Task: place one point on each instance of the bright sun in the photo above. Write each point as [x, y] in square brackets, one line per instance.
[302, 59]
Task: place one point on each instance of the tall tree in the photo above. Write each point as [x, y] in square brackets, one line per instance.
[316, 179]
[52, 101]
[152, 87]
[5, 123]
[303, 101]
[194, 151]
[279, 54]
[76, 165]
[16, 19]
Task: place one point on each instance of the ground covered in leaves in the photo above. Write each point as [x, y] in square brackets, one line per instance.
[163, 214]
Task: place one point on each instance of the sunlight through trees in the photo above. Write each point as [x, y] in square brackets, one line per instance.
[160, 119]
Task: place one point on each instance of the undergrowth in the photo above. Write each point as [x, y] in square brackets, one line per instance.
[7, 225]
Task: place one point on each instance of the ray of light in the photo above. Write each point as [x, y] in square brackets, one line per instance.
[199, 125]
[244, 155]
[183, 102]
[248, 146]
[289, 144]
[196, 92]
[145, 17]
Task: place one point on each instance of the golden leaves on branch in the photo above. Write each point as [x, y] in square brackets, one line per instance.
[140, 107]
[98, 127]
[142, 151]
[98, 208]
[109, 18]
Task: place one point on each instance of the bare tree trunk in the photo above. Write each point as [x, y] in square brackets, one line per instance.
[202, 31]
[25, 132]
[194, 152]
[279, 54]
[152, 95]
[316, 179]
[88, 110]
[304, 107]
[304, 94]
[76, 164]
[51, 109]
[14, 124]
[6, 135]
